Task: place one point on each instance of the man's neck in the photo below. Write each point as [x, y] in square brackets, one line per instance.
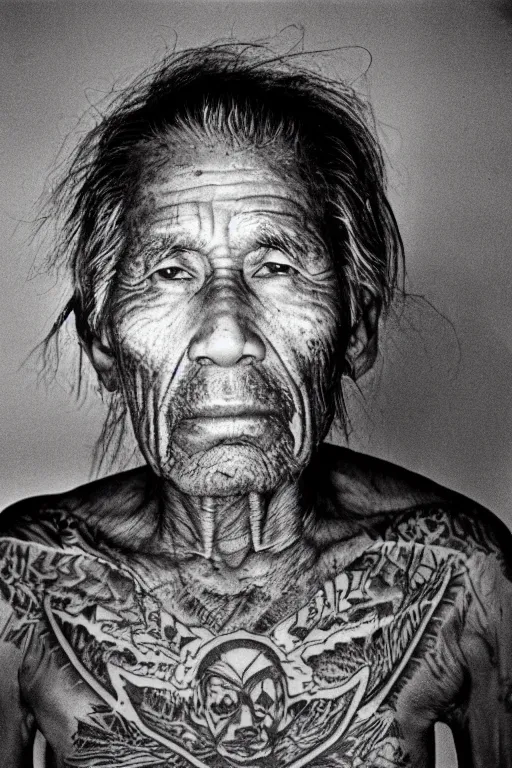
[230, 528]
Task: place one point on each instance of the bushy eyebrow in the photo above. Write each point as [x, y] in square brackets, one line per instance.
[291, 241]
[267, 234]
[177, 239]
[162, 244]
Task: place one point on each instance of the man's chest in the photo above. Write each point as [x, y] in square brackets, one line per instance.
[313, 676]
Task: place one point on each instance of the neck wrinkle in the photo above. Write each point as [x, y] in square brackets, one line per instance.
[199, 525]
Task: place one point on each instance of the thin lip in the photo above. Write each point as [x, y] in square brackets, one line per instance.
[232, 410]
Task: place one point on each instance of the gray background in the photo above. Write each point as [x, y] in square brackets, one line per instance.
[441, 84]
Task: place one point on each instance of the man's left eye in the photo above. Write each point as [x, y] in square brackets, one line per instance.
[172, 273]
[271, 268]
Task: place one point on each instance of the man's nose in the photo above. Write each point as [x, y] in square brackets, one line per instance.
[225, 338]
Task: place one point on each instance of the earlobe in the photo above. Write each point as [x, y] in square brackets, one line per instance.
[103, 361]
[364, 339]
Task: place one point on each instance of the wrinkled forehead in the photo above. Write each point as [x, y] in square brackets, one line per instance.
[185, 179]
[183, 148]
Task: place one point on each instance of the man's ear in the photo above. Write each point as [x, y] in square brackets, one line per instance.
[99, 352]
[364, 338]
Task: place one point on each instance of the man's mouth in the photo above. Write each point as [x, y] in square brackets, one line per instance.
[243, 412]
[205, 432]
[231, 410]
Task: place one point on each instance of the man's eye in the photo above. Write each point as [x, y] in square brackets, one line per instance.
[271, 268]
[172, 273]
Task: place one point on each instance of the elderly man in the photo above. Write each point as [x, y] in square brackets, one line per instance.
[250, 597]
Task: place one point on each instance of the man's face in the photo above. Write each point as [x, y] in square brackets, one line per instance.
[224, 321]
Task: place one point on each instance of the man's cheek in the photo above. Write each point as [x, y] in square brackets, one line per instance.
[311, 351]
[147, 372]
[314, 364]
[150, 337]
[153, 420]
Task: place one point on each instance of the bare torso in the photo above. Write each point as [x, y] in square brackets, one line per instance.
[343, 650]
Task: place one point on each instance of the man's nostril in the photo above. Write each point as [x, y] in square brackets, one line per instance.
[226, 341]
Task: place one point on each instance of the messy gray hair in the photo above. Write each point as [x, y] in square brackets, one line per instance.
[239, 91]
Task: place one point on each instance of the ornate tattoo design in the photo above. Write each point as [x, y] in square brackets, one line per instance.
[316, 688]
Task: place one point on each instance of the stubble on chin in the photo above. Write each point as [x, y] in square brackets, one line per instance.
[230, 469]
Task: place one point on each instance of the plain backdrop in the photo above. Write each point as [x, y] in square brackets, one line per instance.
[440, 80]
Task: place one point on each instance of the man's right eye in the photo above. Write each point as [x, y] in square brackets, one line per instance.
[172, 273]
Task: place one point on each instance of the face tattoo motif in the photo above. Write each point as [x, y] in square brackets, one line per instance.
[241, 697]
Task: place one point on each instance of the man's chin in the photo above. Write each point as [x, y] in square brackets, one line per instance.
[231, 469]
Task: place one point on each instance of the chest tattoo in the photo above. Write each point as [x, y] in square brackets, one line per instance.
[317, 687]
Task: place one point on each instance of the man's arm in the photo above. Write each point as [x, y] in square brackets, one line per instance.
[17, 725]
[21, 644]
[482, 725]
[470, 669]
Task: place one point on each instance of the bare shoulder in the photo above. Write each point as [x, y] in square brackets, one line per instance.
[91, 511]
[392, 503]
